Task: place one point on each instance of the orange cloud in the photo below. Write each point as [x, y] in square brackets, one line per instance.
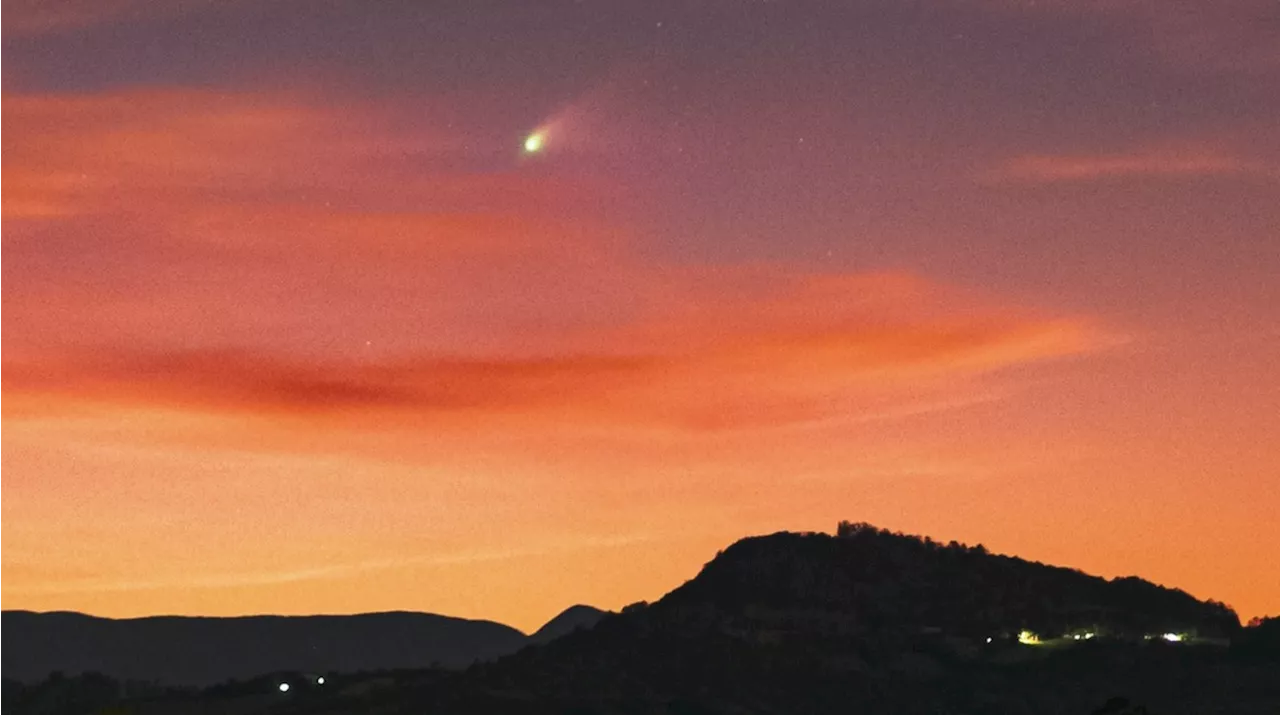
[252, 247]
[807, 353]
[177, 156]
[209, 218]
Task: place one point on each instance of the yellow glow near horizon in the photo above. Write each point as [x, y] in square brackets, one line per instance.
[1028, 638]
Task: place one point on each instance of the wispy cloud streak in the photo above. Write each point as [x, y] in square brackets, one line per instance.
[757, 375]
[1069, 168]
[327, 571]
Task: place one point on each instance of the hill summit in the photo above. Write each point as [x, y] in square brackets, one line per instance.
[866, 579]
[569, 620]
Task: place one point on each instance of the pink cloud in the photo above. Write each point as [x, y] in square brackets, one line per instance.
[1055, 168]
[804, 353]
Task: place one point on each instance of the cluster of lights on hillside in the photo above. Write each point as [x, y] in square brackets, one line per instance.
[285, 687]
[1026, 637]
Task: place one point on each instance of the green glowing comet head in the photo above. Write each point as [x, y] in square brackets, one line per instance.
[534, 143]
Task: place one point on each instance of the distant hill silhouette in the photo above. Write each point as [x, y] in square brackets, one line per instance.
[569, 620]
[201, 651]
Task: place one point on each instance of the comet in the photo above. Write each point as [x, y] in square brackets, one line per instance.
[535, 142]
[587, 123]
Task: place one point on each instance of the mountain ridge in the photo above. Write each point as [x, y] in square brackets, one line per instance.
[202, 650]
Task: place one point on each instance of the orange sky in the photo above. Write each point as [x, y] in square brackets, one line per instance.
[296, 341]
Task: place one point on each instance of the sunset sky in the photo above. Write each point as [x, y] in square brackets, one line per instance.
[293, 324]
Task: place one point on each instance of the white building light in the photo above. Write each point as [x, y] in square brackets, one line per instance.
[284, 687]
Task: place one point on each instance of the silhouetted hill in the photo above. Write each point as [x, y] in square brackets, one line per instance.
[867, 579]
[871, 621]
[864, 621]
[185, 650]
[569, 620]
